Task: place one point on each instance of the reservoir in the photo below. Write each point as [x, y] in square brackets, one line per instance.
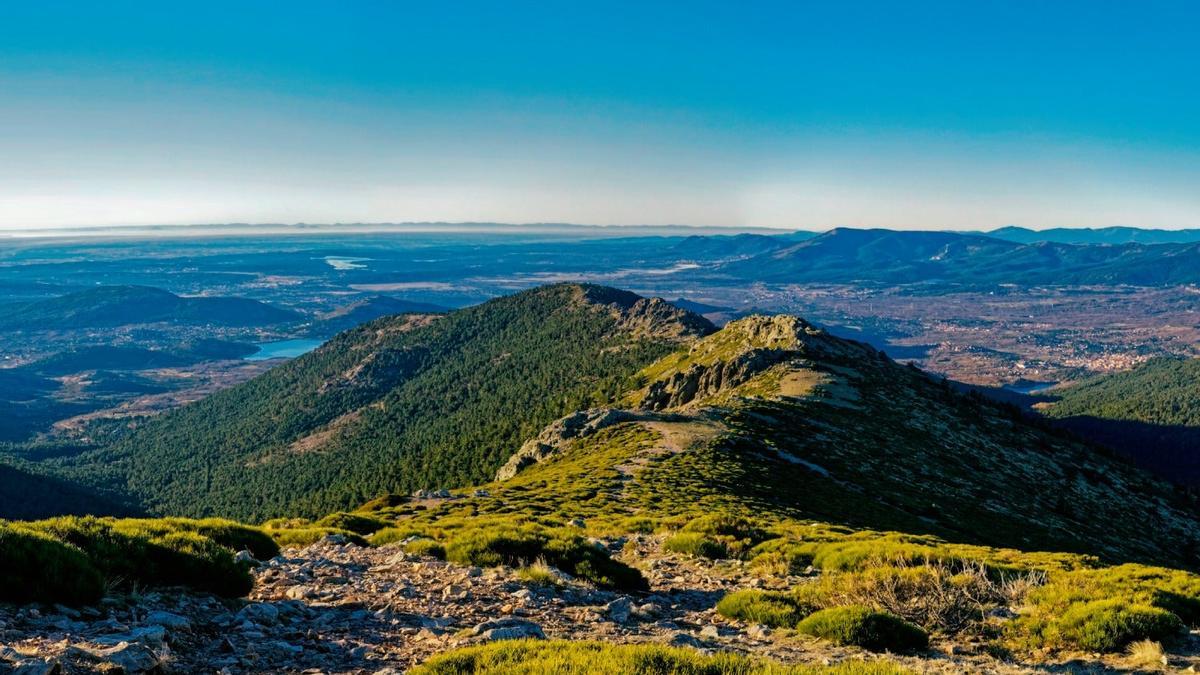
[284, 349]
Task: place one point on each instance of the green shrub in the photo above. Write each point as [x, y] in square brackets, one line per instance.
[780, 557]
[539, 574]
[1103, 609]
[387, 501]
[286, 523]
[151, 553]
[307, 536]
[426, 547]
[856, 555]
[354, 522]
[492, 547]
[35, 567]
[552, 657]
[716, 536]
[232, 535]
[1110, 625]
[865, 628]
[771, 608]
[517, 547]
[391, 535]
[697, 545]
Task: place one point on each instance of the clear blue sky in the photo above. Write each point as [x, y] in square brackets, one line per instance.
[788, 114]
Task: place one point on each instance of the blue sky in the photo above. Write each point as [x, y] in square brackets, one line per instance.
[803, 115]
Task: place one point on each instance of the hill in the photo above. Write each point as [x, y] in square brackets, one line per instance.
[369, 309]
[780, 417]
[890, 257]
[107, 306]
[105, 357]
[1150, 414]
[1099, 235]
[400, 403]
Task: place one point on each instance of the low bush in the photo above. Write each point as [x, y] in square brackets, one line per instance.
[866, 628]
[232, 535]
[517, 547]
[770, 608]
[697, 545]
[391, 535]
[931, 595]
[426, 547]
[716, 536]
[357, 523]
[552, 657]
[1105, 609]
[780, 557]
[1111, 625]
[151, 553]
[37, 567]
[539, 574]
[307, 536]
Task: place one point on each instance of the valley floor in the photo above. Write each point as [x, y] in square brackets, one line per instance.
[340, 608]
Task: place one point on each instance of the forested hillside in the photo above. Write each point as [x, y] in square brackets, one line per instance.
[1150, 413]
[398, 404]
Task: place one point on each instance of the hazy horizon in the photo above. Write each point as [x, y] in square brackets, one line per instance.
[927, 116]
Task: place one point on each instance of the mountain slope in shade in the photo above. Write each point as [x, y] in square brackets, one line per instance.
[404, 402]
[25, 496]
[107, 306]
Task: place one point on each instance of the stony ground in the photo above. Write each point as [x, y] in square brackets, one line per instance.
[339, 608]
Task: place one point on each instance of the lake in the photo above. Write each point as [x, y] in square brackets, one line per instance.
[284, 349]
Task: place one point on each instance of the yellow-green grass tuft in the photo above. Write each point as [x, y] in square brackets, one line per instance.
[560, 657]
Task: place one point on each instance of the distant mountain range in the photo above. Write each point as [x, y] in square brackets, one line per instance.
[108, 306]
[1099, 235]
[907, 257]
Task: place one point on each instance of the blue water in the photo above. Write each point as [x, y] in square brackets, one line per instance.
[1030, 388]
[284, 349]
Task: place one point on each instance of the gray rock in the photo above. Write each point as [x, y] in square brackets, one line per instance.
[152, 636]
[131, 658]
[710, 632]
[758, 631]
[245, 556]
[259, 612]
[167, 619]
[619, 610]
[508, 628]
[684, 640]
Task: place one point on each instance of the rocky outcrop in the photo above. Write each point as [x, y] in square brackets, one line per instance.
[735, 354]
[701, 381]
[658, 318]
[548, 443]
[646, 317]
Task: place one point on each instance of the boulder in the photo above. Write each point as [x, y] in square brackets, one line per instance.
[508, 628]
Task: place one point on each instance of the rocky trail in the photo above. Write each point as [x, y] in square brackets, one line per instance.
[335, 607]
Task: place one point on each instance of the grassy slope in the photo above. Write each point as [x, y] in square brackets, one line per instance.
[394, 405]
